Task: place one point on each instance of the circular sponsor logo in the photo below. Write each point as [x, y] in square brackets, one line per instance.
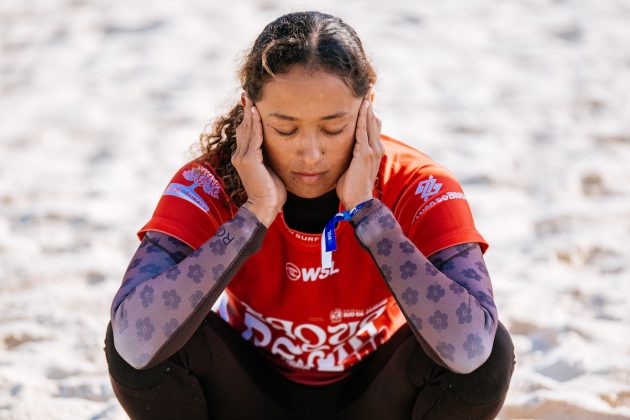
[335, 315]
[293, 273]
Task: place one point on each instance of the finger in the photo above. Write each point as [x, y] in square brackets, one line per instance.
[374, 131]
[257, 132]
[244, 130]
[361, 130]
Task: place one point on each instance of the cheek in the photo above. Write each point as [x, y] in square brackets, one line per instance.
[341, 152]
[273, 154]
[346, 146]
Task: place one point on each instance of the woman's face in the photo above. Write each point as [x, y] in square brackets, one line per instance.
[309, 120]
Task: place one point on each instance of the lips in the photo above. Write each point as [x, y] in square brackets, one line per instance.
[309, 177]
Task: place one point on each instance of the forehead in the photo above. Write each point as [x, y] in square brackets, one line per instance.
[306, 94]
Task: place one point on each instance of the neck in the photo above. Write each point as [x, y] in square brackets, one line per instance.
[310, 215]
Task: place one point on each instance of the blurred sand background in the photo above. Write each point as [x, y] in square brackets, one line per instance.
[527, 102]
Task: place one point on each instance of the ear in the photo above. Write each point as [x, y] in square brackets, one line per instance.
[243, 94]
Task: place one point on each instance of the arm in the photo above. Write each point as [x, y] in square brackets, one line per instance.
[169, 289]
[451, 312]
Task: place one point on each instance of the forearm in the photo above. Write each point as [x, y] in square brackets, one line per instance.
[152, 320]
[455, 320]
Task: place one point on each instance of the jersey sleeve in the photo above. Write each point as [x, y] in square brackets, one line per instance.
[434, 213]
[191, 208]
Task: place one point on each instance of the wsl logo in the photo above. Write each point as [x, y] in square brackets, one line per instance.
[428, 188]
[295, 273]
[200, 177]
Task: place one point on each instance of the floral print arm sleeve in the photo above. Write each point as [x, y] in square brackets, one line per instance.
[447, 298]
[169, 288]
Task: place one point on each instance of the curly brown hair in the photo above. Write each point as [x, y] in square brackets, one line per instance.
[312, 39]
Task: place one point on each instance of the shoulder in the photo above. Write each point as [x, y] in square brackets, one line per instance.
[193, 205]
[197, 183]
[426, 199]
[404, 167]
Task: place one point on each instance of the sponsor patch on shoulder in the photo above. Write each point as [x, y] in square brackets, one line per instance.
[428, 188]
[200, 177]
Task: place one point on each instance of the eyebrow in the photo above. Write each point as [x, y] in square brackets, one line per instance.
[290, 118]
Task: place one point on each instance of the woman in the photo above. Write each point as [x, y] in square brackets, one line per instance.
[398, 322]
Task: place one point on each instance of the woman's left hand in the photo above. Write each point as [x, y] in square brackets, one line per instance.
[356, 185]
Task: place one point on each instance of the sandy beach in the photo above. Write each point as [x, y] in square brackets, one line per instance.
[527, 102]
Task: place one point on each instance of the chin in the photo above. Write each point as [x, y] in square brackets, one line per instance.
[309, 192]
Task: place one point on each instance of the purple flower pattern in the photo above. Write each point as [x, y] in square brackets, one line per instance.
[485, 298]
[464, 314]
[430, 269]
[435, 292]
[387, 221]
[482, 267]
[124, 321]
[195, 273]
[463, 249]
[408, 269]
[473, 345]
[470, 273]
[410, 296]
[196, 253]
[144, 329]
[416, 321]
[441, 264]
[456, 288]
[439, 321]
[446, 350]
[384, 247]
[238, 221]
[143, 359]
[407, 247]
[464, 268]
[217, 247]
[448, 265]
[171, 299]
[153, 248]
[217, 271]
[195, 298]
[136, 262]
[173, 273]
[170, 327]
[146, 296]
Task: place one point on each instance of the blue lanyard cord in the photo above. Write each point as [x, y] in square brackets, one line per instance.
[329, 230]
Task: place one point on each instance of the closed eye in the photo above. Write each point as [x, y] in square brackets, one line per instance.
[334, 133]
[282, 133]
[328, 133]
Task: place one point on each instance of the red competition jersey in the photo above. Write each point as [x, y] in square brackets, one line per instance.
[315, 323]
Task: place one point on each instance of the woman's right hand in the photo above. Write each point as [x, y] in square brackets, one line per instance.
[266, 192]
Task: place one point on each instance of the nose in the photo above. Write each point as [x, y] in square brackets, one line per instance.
[310, 149]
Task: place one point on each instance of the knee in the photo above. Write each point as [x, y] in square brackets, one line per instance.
[126, 374]
[491, 380]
